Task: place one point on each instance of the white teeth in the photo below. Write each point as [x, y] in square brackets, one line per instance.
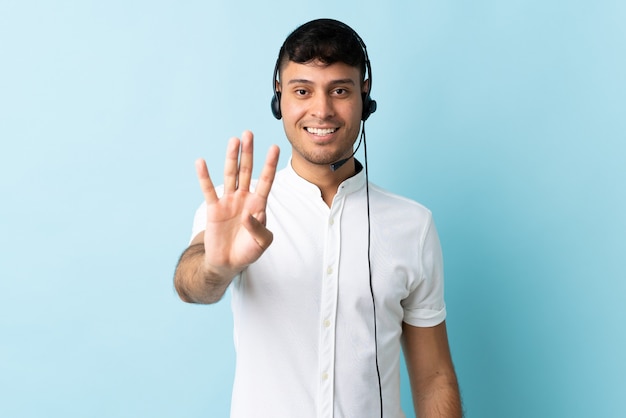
[321, 131]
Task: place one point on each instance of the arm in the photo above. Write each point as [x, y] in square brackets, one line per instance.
[433, 381]
[196, 283]
[235, 234]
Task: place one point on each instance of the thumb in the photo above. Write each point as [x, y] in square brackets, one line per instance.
[258, 231]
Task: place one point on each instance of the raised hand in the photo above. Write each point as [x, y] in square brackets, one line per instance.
[235, 234]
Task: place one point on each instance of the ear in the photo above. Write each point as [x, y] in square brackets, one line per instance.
[366, 86]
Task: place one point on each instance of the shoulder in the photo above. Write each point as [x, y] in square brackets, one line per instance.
[393, 204]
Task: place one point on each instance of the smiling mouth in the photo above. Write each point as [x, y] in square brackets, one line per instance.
[321, 131]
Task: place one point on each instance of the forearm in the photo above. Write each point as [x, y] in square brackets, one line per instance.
[434, 384]
[195, 283]
[438, 398]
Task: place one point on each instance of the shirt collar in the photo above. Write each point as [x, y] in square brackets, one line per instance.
[348, 186]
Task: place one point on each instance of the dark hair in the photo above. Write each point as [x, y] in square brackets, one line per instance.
[326, 40]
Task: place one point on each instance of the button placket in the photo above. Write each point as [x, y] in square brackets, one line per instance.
[328, 312]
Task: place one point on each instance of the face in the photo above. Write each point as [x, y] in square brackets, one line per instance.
[321, 107]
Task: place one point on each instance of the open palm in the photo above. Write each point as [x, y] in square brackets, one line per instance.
[235, 234]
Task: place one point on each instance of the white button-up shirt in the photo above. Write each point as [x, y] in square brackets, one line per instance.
[303, 314]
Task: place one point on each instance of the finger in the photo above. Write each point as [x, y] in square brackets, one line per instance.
[269, 171]
[231, 165]
[206, 185]
[245, 163]
[258, 231]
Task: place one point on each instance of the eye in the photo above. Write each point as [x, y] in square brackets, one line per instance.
[300, 92]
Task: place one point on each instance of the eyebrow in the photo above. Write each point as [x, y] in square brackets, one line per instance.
[334, 82]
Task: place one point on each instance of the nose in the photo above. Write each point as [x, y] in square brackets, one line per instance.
[322, 106]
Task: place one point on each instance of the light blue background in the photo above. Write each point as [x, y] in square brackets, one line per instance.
[506, 118]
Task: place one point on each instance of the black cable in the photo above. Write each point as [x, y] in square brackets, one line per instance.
[369, 265]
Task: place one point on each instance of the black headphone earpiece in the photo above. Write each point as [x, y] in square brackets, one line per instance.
[369, 105]
[276, 105]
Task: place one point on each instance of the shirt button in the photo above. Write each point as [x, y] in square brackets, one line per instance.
[331, 221]
[329, 270]
[324, 376]
[327, 323]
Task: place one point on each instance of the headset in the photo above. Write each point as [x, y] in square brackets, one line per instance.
[369, 105]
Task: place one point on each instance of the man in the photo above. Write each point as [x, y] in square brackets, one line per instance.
[330, 275]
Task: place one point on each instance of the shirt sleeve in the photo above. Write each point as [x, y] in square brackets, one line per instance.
[425, 306]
